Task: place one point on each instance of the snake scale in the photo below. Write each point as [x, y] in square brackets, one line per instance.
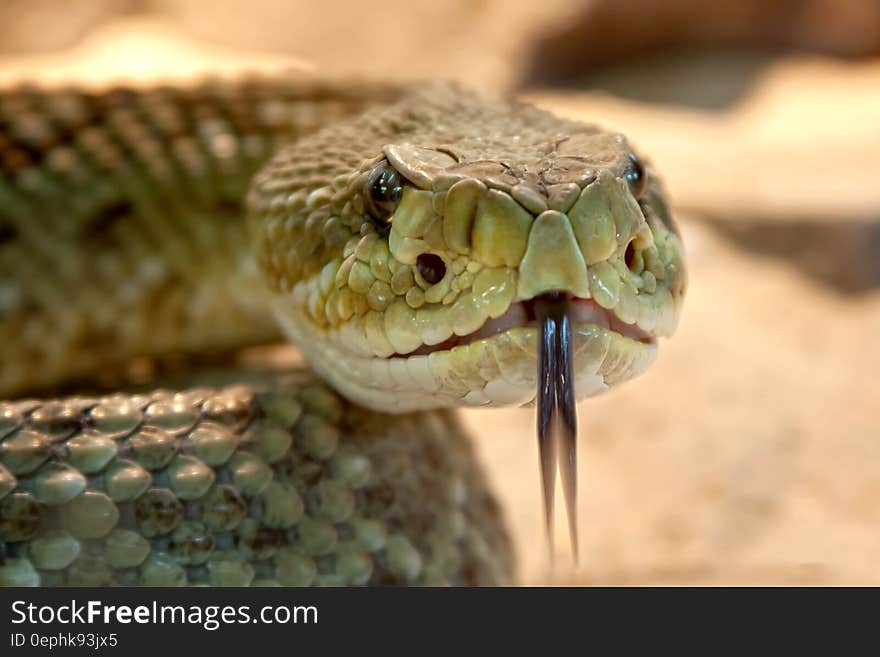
[424, 246]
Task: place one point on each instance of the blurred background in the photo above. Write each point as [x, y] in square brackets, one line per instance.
[750, 453]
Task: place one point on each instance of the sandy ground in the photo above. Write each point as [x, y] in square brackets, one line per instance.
[750, 453]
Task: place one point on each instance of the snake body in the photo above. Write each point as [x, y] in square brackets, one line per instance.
[399, 235]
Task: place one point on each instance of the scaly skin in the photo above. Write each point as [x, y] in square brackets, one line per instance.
[121, 231]
[515, 201]
[121, 237]
[279, 482]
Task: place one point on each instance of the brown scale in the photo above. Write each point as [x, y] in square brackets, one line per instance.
[20, 517]
[153, 448]
[24, 451]
[176, 416]
[158, 512]
[258, 541]
[205, 540]
[222, 508]
[56, 420]
[234, 411]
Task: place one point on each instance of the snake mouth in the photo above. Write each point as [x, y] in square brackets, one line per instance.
[522, 314]
[553, 315]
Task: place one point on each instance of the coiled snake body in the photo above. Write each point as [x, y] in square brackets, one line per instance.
[425, 247]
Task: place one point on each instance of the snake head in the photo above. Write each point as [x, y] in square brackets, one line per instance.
[408, 249]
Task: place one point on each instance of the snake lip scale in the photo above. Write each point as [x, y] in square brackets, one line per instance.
[522, 314]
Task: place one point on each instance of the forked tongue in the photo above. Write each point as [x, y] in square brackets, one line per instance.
[557, 415]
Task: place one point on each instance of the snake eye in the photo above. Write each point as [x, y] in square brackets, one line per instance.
[431, 267]
[382, 191]
[635, 177]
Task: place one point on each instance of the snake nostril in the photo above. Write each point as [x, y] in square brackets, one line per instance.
[632, 258]
[431, 267]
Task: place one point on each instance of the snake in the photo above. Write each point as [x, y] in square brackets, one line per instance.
[426, 247]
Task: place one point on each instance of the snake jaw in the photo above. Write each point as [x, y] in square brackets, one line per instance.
[522, 314]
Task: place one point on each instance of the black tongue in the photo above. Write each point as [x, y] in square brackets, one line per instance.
[557, 415]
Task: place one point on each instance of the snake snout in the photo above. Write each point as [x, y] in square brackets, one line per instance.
[553, 262]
